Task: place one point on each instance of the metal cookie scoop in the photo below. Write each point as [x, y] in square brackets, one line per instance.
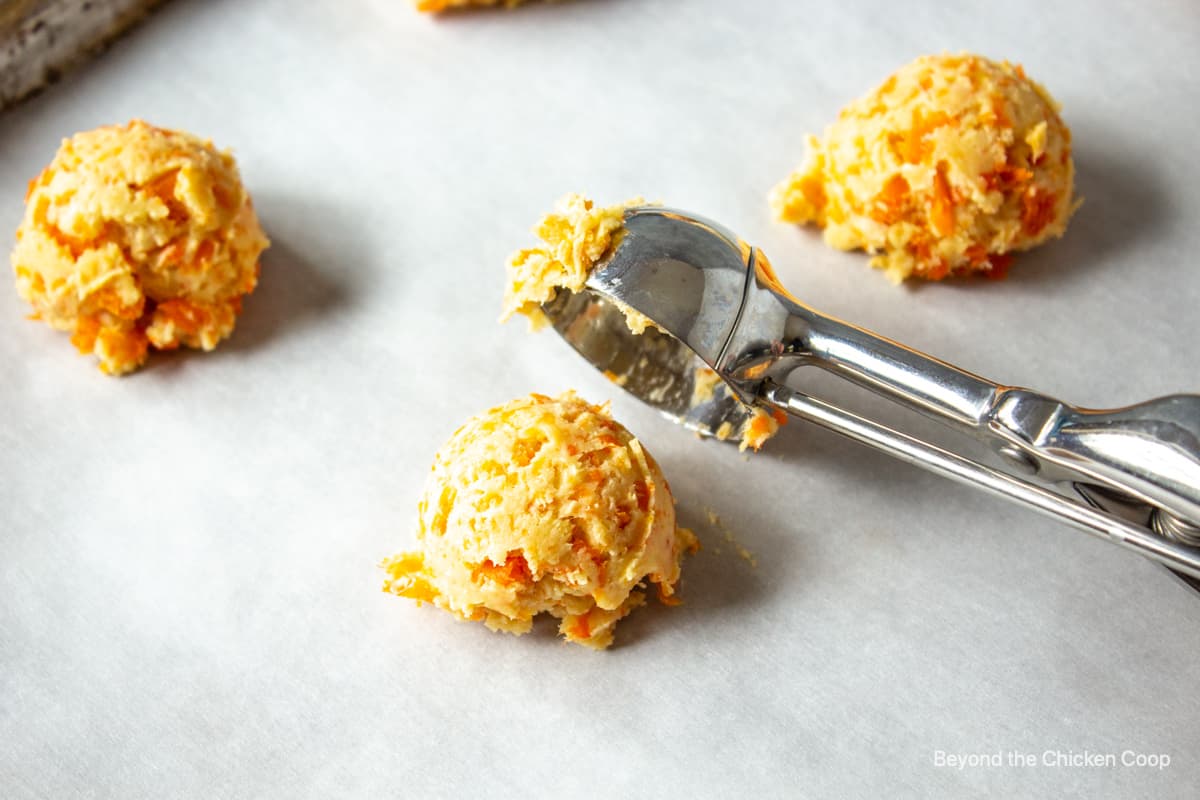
[718, 306]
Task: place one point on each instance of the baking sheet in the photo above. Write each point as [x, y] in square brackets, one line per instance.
[39, 39]
[191, 604]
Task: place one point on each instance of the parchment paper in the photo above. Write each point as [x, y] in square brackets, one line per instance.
[190, 597]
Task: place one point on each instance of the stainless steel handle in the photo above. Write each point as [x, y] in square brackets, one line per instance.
[890, 368]
[775, 333]
[1149, 452]
[1133, 537]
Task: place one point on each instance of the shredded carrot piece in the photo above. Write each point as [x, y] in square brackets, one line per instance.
[976, 255]
[123, 347]
[76, 247]
[107, 300]
[445, 505]
[223, 197]
[666, 596]
[515, 569]
[84, 337]
[1000, 112]
[204, 254]
[579, 628]
[407, 578]
[915, 146]
[643, 495]
[889, 203]
[163, 187]
[524, 451]
[760, 425]
[813, 190]
[171, 254]
[938, 271]
[418, 590]
[1006, 177]
[1000, 263]
[942, 208]
[1037, 210]
[624, 517]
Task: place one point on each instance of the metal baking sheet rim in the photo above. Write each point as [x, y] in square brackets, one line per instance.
[41, 39]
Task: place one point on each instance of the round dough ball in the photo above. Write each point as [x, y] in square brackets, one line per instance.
[543, 504]
[138, 237]
[951, 164]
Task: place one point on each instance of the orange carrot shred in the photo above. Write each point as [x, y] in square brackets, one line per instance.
[1000, 263]
[942, 208]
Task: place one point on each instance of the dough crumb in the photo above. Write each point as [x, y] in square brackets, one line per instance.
[760, 426]
[715, 520]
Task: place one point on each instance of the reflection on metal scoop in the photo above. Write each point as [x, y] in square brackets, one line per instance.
[654, 266]
[718, 306]
[655, 366]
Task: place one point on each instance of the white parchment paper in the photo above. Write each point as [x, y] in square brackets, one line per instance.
[189, 598]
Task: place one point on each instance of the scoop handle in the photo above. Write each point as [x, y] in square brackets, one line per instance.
[1184, 560]
[1149, 452]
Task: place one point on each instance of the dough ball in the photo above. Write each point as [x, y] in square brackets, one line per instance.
[946, 168]
[137, 237]
[543, 505]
